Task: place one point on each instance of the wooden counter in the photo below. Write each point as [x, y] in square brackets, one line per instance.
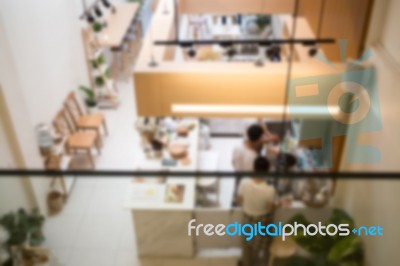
[118, 24]
[234, 83]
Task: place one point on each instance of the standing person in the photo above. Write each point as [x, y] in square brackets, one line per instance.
[287, 163]
[257, 200]
[256, 136]
[245, 154]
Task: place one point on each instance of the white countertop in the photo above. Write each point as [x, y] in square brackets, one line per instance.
[151, 196]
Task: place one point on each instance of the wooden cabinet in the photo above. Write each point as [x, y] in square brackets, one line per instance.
[343, 19]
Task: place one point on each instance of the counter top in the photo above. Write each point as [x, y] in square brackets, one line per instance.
[118, 24]
[161, 28]
[151, 195]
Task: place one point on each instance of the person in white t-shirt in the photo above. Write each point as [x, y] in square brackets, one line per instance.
[254, 194]
[257, 199]
[245, 154]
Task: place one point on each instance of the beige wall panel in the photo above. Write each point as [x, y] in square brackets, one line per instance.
[156, 95]
[156, 92]
[311, 10]
[345, 19]
[223, 88]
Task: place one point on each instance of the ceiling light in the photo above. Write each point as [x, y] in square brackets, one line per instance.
[273, 53]
[153, 62]
[191, 52]
[231, 52]
[98, 12]
[313, 51]
[89, 18]
[312, 110]
[106, 3]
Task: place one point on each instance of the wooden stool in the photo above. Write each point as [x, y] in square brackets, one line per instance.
[84, 121]
[282, 249]
[120, 60]
[75, 141]
[208, 161]
[130, 40]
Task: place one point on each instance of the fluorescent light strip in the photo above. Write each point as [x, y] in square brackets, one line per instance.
[253, 109]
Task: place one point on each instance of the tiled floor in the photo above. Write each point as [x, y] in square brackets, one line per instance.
[94, 229]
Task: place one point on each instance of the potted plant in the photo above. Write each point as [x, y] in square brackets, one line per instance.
[23, 228]
[4, 253]
[94, 63]
[90, 100]
[328, 250]
[101, 60]
[256, 24]
[99, 81]
[97, 27]
[262, 21]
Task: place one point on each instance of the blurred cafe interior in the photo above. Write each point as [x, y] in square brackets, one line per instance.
[124, 120]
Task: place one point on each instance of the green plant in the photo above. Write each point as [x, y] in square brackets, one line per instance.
[97, 26]
[329, 250]
[107, 73]
[101, 60]
[23, 227]
[90, 96]
[97, 62]
[94, 63]
[99, 80]
[262, 21]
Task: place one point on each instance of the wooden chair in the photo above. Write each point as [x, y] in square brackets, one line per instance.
[76, 140]
[84, 121]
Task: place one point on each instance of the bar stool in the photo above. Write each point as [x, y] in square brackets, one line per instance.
[208, 161]
[130, 40]
[136, 26]
[134, 36]
[120, 60]
[282, 249]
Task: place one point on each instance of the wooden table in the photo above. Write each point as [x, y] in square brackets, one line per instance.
[118, 24]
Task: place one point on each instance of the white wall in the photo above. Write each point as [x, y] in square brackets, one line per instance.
[19, 138]
[47, 49]
[390, 33]
[15, 192]
[41, 60]
[377, 22]
[376, 201]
